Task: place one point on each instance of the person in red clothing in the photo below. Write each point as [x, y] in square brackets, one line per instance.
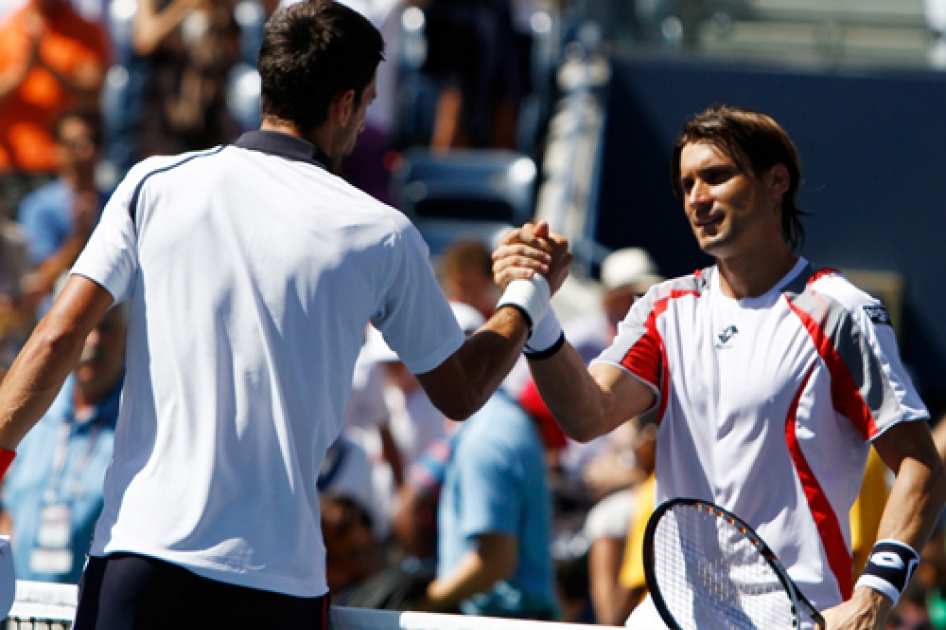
[51, 59]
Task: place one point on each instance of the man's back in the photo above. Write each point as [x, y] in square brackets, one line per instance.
[251, 274]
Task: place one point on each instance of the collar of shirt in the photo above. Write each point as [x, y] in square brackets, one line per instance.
[282, 144]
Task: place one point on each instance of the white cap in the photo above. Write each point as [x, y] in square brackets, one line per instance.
[631, 266]
[377, 350]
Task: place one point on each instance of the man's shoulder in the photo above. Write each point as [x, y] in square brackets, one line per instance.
[688, 286]
[831, 283]
[826, 292]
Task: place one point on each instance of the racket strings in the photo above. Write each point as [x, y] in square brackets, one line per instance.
[712, 576]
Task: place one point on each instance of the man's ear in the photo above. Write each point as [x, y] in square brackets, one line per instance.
[780, 180]
[342, 107]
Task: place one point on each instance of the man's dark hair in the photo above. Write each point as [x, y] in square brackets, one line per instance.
[311, 52]
[755, 143]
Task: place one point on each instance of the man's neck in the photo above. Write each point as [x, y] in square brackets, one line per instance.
[319, 137]
[752, 276]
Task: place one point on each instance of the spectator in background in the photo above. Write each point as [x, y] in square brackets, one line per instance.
[190, 46]
[350, 519]
[467, 275]
[615, 529]
[414, 518]
[495, 519]
[367, 424]
[15, 315]
[352, 553]
[366, 167]
[54, 493]
[415, 421]
[58, 218]
[931, 576]
[474, 53]
[51, 59]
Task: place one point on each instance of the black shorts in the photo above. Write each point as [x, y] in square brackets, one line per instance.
[130, 592]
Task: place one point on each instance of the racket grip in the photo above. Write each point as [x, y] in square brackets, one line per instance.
[818, 619]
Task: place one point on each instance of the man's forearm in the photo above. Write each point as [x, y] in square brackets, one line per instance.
[35, 378]
[915, 503]
[588, 403]
[466, 380]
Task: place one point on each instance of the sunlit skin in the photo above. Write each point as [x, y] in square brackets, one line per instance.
[735, 217]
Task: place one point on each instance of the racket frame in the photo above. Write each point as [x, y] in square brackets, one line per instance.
[797, 598]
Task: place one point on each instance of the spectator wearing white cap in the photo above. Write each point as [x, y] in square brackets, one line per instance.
[625, 274]
[415, 423]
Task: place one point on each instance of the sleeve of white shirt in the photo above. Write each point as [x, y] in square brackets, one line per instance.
[110, 258]
[415, 318]
[892, 396]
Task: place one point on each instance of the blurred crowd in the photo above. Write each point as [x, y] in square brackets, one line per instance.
[89, 87]
[499, 515]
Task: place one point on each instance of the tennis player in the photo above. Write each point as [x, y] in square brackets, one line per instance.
[252, 271]
[772, 378]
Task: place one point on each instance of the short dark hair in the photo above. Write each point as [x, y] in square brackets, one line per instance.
[311, 52]
[755, 143]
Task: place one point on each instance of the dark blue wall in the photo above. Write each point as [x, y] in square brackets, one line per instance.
[873, 162]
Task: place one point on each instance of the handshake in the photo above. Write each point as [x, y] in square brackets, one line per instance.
[530, 265]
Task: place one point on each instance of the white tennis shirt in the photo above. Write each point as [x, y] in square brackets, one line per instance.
[252, 272]
[768, 406]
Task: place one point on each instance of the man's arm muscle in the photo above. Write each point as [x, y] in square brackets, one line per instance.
[48, 357]
[588, 402]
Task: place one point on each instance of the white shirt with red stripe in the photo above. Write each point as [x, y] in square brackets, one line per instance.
[768, 406]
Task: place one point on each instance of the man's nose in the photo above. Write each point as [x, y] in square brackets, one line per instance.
[698, 194]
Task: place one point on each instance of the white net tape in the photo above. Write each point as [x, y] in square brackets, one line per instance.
[42, 606]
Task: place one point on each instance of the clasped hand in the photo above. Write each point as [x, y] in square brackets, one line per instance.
[532, 249]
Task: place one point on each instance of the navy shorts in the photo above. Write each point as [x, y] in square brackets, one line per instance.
[131, 592]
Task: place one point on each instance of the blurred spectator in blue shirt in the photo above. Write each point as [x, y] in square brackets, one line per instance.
[495, 519]
[54, 492]
[58, 219]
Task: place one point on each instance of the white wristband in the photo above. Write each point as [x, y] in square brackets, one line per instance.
[529, 296]
[545, 334]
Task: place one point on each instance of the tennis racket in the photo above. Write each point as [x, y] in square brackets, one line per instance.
[706, 569]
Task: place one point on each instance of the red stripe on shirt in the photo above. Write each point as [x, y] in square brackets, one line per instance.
[646, 359]
[829, 528]
[845, 394]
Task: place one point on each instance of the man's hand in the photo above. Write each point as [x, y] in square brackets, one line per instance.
[866, 610]
[529, 250]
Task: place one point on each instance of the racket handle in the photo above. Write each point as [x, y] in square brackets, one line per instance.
[817, 618]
